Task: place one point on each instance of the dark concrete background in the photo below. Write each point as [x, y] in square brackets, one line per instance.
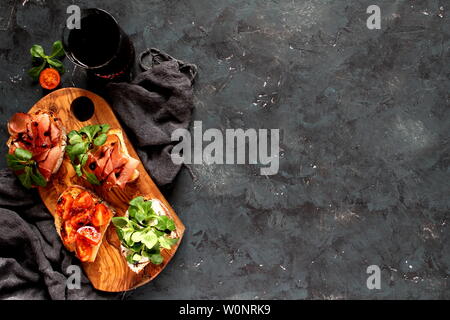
[364, 172]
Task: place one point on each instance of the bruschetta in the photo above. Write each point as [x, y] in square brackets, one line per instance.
[81, 221]
[144, 231]
[41, 138]
[100, 155]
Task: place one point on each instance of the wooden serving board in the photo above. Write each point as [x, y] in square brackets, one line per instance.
[109, 272]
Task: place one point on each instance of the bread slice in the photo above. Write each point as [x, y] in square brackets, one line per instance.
[74, 191]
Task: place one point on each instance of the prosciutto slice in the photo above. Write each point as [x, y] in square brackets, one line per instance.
[49, 164]
[127, 171]
[111, 165]
[43, 135]
[18, 123]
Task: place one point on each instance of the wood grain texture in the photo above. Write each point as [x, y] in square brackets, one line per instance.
[109, 272]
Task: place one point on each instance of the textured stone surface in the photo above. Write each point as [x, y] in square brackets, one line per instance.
[364, 170]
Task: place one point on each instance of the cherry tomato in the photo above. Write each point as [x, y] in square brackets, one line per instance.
[84, 200]
[49, 78]
[64, 206]
[101, 215]
[83, 250]
[81, 219]
[68, 233]
[90, 234]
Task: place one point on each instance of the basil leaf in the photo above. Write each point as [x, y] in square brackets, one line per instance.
[136, 226]
[37, 51]
[140, 215]
[57, 50]
[61, 69]
[91, 130]
[137, 247]
[75, 138]
[96, 129]
[127, 238]
[159, 233]
[150, 239]
[77, 169]
[105, 128]
[54, 63]
[137, 202]
[162, 223]
[82, 158]
[91, 178]
[78, 148]
[170, 225]
[36, 71]
[152, 221]
[156, 258]
[148, 253]
[132, 212]
[38, 179]
[164, 243]
[136, 257]
[120, 222]
[100, 140]
[23, 154]
[69, 153]
[130, 258]
[13, 163]
[25, 179]
[119, 234]
[86, 130]
[73, 133]
[137, 236]
[147, 207]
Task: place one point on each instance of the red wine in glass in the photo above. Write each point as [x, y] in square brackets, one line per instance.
[100, 46]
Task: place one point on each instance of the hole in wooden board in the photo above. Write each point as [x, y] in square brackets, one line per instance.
[82, 108]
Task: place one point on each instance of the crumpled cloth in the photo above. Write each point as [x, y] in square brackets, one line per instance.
[33, 261]
[157, 102]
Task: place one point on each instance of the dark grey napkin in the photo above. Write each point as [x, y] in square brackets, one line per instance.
[157, 102]
[33, 262]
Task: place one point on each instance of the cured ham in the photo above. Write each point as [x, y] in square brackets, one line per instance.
[42, 134]
[18, 123]
[52, 160]
[127, 172]
[111, 163]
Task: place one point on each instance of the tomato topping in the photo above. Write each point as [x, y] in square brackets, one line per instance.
[101, 215]
[68, 233]
[49, 78]
[90, 234]
[65, 205]
[81, 219]
[83, 249]
[83, 201]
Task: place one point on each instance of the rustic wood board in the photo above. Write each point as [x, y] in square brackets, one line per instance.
[109, 272]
